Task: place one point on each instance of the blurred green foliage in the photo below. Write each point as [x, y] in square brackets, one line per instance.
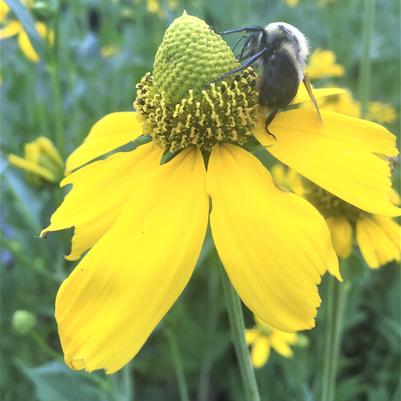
[101, 49]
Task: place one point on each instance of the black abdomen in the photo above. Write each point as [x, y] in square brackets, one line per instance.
[279, 81]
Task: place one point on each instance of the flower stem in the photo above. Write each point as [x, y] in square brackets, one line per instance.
[179, 371]
[127, 383]
[366, 65]
[237, 326]
[212, 318]
[336, 299]
[55, 84]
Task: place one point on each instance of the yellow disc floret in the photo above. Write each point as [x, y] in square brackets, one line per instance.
[183, 102]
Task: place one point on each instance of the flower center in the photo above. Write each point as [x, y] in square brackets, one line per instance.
[330, 205]
[183, 102]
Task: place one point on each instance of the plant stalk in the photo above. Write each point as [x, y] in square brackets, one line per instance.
[237, 326]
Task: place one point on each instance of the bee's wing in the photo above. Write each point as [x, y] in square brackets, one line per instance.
[308, 87]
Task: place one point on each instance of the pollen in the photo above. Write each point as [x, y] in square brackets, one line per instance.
[330, 205]
[183, 102]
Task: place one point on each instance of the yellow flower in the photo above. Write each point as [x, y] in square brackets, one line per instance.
[41, 160]
[11, 27]
[378, 237]
[154, 7]
[263, 337]
[381, 112]
[292, 3]
[343, 103]
[322, 64]
[346, 104]
[142, 214]
[109, 51]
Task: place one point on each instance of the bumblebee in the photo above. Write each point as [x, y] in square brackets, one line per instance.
[281, 50]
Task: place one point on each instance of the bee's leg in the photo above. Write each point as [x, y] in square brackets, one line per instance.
[247, 63]
[241, 55]
[250, 28]
[239, 40]
[268, 121]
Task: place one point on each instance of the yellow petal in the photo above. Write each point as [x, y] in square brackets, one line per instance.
[100, 191]
[10, 29]
[4, 9]
[319, 93]
[32, 152]
[274, 245]
[260, 352]
[281, 341]
[379, 239]
[47, 147]
[341, 235]
[338, 156]
[251, 335]
[26, 47]
[31, 168]
[109, 133]
[118, 293]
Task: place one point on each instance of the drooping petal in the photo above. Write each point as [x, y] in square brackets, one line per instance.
[99, 193]
[341, 235]
[379, 239]
[274, 245]
[260, 351]
[109, 133]
[10, 29]
[251, 335]
[319, 93]
[340, 155]
[109, 305]
[280, 342]
[25, 43]
[26, 47]
[31, 167]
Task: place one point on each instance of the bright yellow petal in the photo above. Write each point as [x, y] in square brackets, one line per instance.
[303, 96]
[341, 235]
[4, 9]
[379, 239]
[251, 335]
[10, 29]
[118, 293]
[47, 147]
[32, 152]
[99, 193]
[274, 245]
[27, 48]
[338, 156]
[109, 133]
[281, 342]
[260, 352]
[31, 168]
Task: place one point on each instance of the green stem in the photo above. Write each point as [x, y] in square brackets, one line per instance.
[336, 299]
[212, 317]
[237, 326]
[55, 85]
[366, 64]
[44, 347]
[179, 371]
[127, 384]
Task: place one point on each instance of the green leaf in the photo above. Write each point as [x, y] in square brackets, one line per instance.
[54, 381]
[25, 18]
